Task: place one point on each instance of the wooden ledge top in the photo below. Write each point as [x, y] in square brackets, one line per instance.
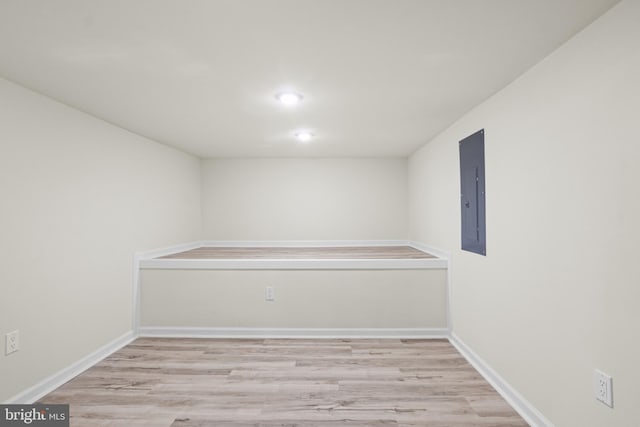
[297, 253]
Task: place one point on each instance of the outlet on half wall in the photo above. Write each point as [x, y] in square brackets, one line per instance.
[603, 387]
[12, 342]
[269, 294]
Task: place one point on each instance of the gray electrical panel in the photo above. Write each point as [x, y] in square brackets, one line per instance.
[472, 194]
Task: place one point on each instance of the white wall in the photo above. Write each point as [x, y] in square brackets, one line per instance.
[305, 199]
[303, 298]
[558, 293]
[79, 197]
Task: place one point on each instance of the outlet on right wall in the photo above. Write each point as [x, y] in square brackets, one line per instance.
[557, 295]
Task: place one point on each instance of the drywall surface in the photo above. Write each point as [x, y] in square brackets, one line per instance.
[305, 199]
[79, 197]
[557, 294]
[303, 298]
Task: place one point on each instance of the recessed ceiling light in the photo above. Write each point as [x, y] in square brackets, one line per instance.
[304, 136]
[289, 98]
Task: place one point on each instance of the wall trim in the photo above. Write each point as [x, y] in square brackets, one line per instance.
[138, 257]
[168, 250]
[328, 333]
[440, 253]
[444, 255]
[135, 294]
[47, 385]
[531, 415]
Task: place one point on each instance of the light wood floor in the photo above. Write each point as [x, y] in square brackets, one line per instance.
[352, 252]
[222, 382]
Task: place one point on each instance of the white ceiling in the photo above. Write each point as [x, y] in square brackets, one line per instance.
[379, 77]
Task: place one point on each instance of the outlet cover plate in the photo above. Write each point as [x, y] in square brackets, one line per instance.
[269, 294]
[603, 387]
[12, 342]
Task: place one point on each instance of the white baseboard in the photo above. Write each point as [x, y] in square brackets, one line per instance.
[526, 410]
[49, 384]
[397, 333]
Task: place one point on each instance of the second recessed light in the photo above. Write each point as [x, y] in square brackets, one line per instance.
[289, 98]
[304, 136]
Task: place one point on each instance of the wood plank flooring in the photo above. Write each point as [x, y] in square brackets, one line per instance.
[352, 252]
[277, 382]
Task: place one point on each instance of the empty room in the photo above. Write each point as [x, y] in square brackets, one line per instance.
[320, 213]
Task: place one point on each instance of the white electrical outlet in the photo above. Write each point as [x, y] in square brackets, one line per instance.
[12, 342]
[269, 294]
[603, 390]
